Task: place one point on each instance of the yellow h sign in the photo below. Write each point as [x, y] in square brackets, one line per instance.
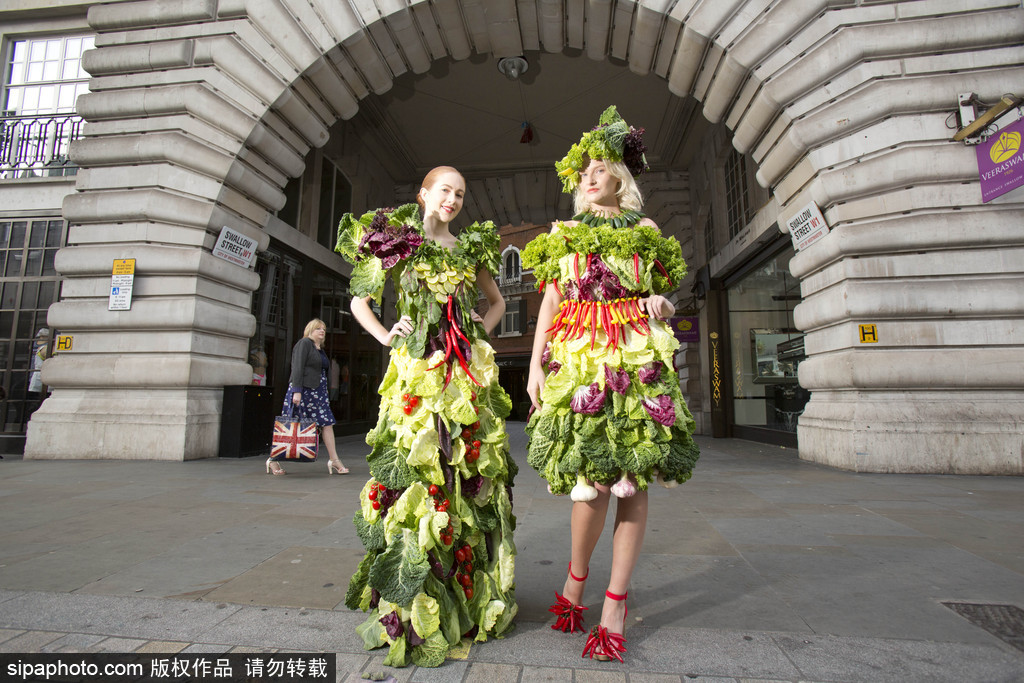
[868, 334]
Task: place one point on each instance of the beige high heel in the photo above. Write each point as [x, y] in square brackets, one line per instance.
[333, 465]
[274, 468]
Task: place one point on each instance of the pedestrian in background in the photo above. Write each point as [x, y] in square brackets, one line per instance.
[307, 392]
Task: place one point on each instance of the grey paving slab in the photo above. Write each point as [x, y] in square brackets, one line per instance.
[73, 642]
[451, 672]
[148, 618]
[30, 641]
[118, 645]
[870, 660]
[293, 629]
[708, 592]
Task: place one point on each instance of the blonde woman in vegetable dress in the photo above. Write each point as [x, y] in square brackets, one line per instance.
[436, 515]
[609, 418]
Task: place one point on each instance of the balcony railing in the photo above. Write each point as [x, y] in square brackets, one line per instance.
[34, 146]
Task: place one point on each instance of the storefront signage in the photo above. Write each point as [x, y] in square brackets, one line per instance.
[63, 342]
[807, 226]
[716, 372]
[122, 279]
[235, 247]
[869, 334]
[686, 328]
[1001, 162]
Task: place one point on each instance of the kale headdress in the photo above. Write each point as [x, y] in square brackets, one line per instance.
[613, 140]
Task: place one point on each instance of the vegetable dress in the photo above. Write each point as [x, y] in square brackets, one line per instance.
[436, 516]
[611, 408]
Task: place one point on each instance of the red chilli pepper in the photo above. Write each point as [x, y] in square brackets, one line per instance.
[636, 267]
[540, 285]
[589, 257]
[641, 316]
[554, 283]
[555, 322]
[606, 321]
[661, 269]
[593, 325]
[585, 318]
[581, 319]
[573, 308]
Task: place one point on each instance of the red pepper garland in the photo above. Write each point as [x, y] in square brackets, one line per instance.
[575, 316]
[452, 334]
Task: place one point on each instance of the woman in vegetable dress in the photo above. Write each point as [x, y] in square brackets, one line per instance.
[609, 417]
[436, 515]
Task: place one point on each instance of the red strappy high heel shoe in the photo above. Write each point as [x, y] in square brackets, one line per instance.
[604, 645]
[570, 616]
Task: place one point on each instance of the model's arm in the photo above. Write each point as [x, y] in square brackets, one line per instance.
[364, 314]
[495, 301]
[548, 307]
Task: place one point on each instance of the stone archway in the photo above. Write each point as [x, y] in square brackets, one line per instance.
[202, 109]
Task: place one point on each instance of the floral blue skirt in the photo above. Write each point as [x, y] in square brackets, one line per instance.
[315, 404]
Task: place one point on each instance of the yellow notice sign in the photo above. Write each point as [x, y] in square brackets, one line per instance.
[124, 266]
[868, 334]
[63, 342]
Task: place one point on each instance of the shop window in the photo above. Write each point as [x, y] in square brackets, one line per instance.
[335, 201]
[737, 197]
[289, 213]
[28, 285]
[709, 235]
[766, 348]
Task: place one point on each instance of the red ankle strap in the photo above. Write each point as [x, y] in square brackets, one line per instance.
[578, 578]
[613, 596]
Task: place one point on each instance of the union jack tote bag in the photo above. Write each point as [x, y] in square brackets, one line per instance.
[295, 439]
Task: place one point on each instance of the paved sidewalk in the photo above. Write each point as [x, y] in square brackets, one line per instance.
[762, 568]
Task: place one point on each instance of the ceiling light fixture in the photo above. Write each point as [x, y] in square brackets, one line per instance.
[513, 67]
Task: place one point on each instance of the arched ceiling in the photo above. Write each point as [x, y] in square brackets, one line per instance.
[467, 114]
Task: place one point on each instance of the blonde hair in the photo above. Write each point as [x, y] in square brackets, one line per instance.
[431, 179]
[628, 193]
[313, 325]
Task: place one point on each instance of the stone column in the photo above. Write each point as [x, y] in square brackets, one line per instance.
[913, 252]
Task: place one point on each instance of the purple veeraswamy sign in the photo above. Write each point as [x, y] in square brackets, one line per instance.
[686, 328]
[1001, 161]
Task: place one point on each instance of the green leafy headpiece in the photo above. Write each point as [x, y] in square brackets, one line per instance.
[613, 140]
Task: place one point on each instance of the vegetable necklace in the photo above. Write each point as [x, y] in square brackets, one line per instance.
[626, 219]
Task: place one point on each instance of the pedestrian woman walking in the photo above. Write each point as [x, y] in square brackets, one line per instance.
[609, 417]
[307, 392]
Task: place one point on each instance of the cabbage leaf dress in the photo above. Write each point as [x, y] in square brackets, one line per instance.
[611, 407]
[436, 516]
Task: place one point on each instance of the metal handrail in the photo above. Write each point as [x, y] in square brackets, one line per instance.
[35, 145]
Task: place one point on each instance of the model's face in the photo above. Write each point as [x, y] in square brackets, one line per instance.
[318, 335]
[598, 185]
[443, 200]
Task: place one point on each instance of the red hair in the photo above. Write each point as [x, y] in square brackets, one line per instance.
[431, 179]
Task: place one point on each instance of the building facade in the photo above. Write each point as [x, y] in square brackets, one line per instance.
[200, 114]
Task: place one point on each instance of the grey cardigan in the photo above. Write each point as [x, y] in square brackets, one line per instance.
[307, 365]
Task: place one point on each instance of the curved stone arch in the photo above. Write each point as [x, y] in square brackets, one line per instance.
[204, 108]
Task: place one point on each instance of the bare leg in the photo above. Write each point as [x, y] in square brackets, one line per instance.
[630, 525]
[587, 525]
[327, 434]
